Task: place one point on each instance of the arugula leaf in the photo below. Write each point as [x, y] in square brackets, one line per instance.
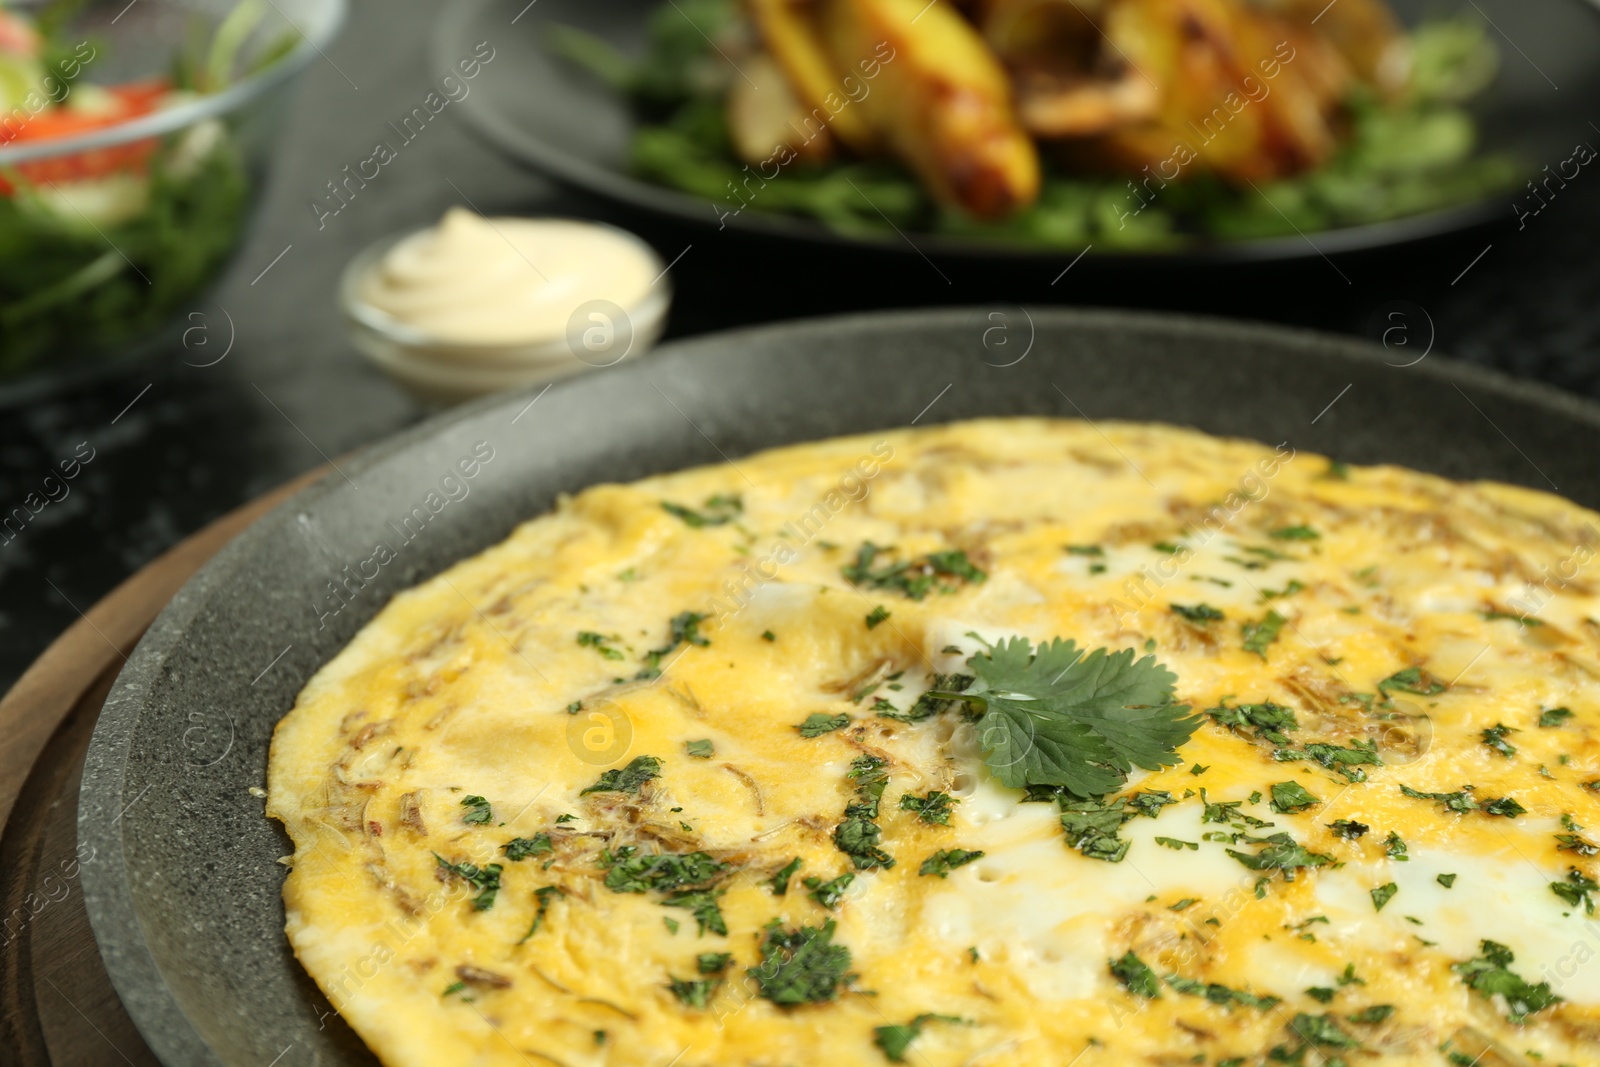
[1258, 635]
[520, 848]
[800, 966]
[944, 861]
[626, 779]
[1490, 974]
[820, 722]
[718, 510]
[1055, 716]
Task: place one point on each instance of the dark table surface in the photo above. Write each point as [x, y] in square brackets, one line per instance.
[178, 445]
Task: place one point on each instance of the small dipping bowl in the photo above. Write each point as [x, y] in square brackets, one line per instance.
[445, 366]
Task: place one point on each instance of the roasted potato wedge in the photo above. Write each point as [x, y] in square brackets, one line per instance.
[939, 100]
[764, 115]
[791, 32]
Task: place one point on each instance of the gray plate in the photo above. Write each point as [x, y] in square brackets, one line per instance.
[183, 891]
[540, 109]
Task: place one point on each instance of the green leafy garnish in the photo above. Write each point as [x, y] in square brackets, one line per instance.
[713, 962]
[1383, 894]
[1282, 853]
[895, 1040]
[478, 810]
[1295, 533]
[520, 848]
[627, 779]
[1055, 716]
[829, 893]
[800, 966]
[1550, 717]
[694, 992]
[1218, 993]
[1132, 972]
[599, 642]
[1289, 797]
[912, 578]
[820, 722]
[1270, 720]
[1091, 827]
[1321, 1030]
[629, 871]
[1495, 738]
[877, 615]
[1412, 680]
[1348, 829]
[933, 808]
[1198, 613]
[700, 749]
[1577, 889]
[944, 861]
[780, 881]
[485, 879]
[685, 629]
[1490, 975]
[718, 510]
[702, 904]
[542, 897]
[1258, 635]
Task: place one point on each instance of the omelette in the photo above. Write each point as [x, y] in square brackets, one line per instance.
[1016, 741]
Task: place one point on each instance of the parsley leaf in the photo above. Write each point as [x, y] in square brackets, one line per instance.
[702, 904]
[1495, 738]
[700, 749]
[627, 779]
[1383, 894]
[1412, 680]
[895, 1040]
[485, 879]
[520, 848]
[1132, 972]
[716, 511]
[933, 808]
[1576, 889]
[1258, 635]
[1281, 854]
[695, 993]
[1199, 613]
[478, 810]
[630, 872]
[1055, 716]
[599, 642]
[828, 894]
[820, 722]
[800, 966]
[1295, 533]
[1490, 974]
[1321, 1030]
[543, 896]
[780, 881]
[1550, 717]
[877, 615]
[1348, 829]
[946, 860]
[1290, 797]
[713, 962]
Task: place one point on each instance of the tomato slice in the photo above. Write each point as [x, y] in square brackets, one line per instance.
[130, 101]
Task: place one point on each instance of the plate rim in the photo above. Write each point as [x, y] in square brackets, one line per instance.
[107, 883]
[621, 189]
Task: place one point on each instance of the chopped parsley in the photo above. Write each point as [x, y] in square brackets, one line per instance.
[626, 779]
[713, 962]
[896, 1039]
[933, 808]
[1282, 853]
[912, 578]
[718, 510]
[1490, 975]
[877, 615]
[1446, 880]
[858, 835]
[684, 628]
[629, 871]
[1462, 801]
[1295, 533]
[768, 635]
[1344, 761]
[485, 879]
[520, 848]
[1395, 847]
[829, 893]
[694, 992]
[1412, 680]
[820, 722]
[1086, 550]
[1269, 720]
[1321, 1030]
[1177, 845]
[1576, 890]
[1217, 993]
[542, 897]
[1053, 715]
[800, 966]
[944, 861]
[478, 810]
[1348, 829]
[1091, 827]
[1132, 972]
[1290, 797]
[1495, 738]
[1258, 635]
[1372, 1015]
[1149, 802]
[1383, 894]
[1199, 613]
[780, 881]
[702, 904]
[1551, 717]
[599, 642]
[700, 749]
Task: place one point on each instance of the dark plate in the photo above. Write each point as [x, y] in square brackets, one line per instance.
[545, 112]
[184, 894]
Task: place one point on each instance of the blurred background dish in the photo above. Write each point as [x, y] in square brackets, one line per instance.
[1356, 127]
[475, 305]
[134, 139]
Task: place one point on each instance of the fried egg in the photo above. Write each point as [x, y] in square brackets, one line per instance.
[695, 770]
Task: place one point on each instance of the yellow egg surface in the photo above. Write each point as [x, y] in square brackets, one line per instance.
[763, 764]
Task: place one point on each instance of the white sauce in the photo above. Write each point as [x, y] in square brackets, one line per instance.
[506, 281]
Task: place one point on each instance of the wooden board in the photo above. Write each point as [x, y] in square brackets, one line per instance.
[57, 1006]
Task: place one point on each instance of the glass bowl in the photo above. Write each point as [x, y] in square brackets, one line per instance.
[112, 235]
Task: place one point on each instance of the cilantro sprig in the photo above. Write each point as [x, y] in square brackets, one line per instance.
[1053, 715]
